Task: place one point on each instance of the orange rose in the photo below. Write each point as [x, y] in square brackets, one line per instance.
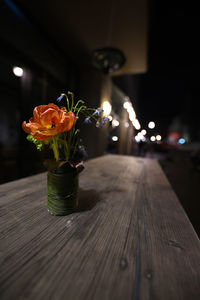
[48, 120]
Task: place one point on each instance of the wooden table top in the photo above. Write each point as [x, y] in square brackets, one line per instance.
[130, 239]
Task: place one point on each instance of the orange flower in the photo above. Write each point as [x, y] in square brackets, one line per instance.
[47, 121]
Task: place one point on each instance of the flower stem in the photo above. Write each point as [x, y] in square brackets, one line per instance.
[55, 148]
[67, 99]
[77, 104]
[72, 99]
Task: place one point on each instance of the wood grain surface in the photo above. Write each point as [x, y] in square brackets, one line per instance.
[130, 238]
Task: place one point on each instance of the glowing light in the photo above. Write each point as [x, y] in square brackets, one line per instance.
[115, 123]
[126, 104]
[18, 71]
[131, 118]
[158, 137]
[136, 124]
[181, 141]
[115, 138]
[110, 118]
[143, 132]
[143, 139]
[140, 135]
[151, 125]
[137, 139]
[106, 108]
[126, 124]
[152, 138]
[132, 115]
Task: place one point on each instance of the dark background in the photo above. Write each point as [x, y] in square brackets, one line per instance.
[170, 89]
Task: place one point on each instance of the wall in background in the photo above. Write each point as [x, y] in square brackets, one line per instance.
[47, 73]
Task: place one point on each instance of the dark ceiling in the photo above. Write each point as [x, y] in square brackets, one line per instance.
[79, 27]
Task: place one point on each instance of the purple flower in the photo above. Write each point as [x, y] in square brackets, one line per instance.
[98, 124]
[87, 120]
[102, 122]
[98, 111]
[60, 98]
[105, 120]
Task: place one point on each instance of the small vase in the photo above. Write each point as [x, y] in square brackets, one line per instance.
[62, 189]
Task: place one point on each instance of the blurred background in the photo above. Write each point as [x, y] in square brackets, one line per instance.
[137, 59]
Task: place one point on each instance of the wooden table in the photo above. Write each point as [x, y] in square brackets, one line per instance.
[131, 239]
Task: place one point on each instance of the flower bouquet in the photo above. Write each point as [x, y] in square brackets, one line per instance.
[57, 128]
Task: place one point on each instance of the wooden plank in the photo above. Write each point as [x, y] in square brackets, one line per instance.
[21, 187]
[169, 247]
[130, 239]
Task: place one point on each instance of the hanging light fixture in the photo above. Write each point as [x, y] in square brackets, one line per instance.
[108, 59]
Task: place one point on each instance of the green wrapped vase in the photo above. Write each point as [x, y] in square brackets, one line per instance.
[62, 189]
